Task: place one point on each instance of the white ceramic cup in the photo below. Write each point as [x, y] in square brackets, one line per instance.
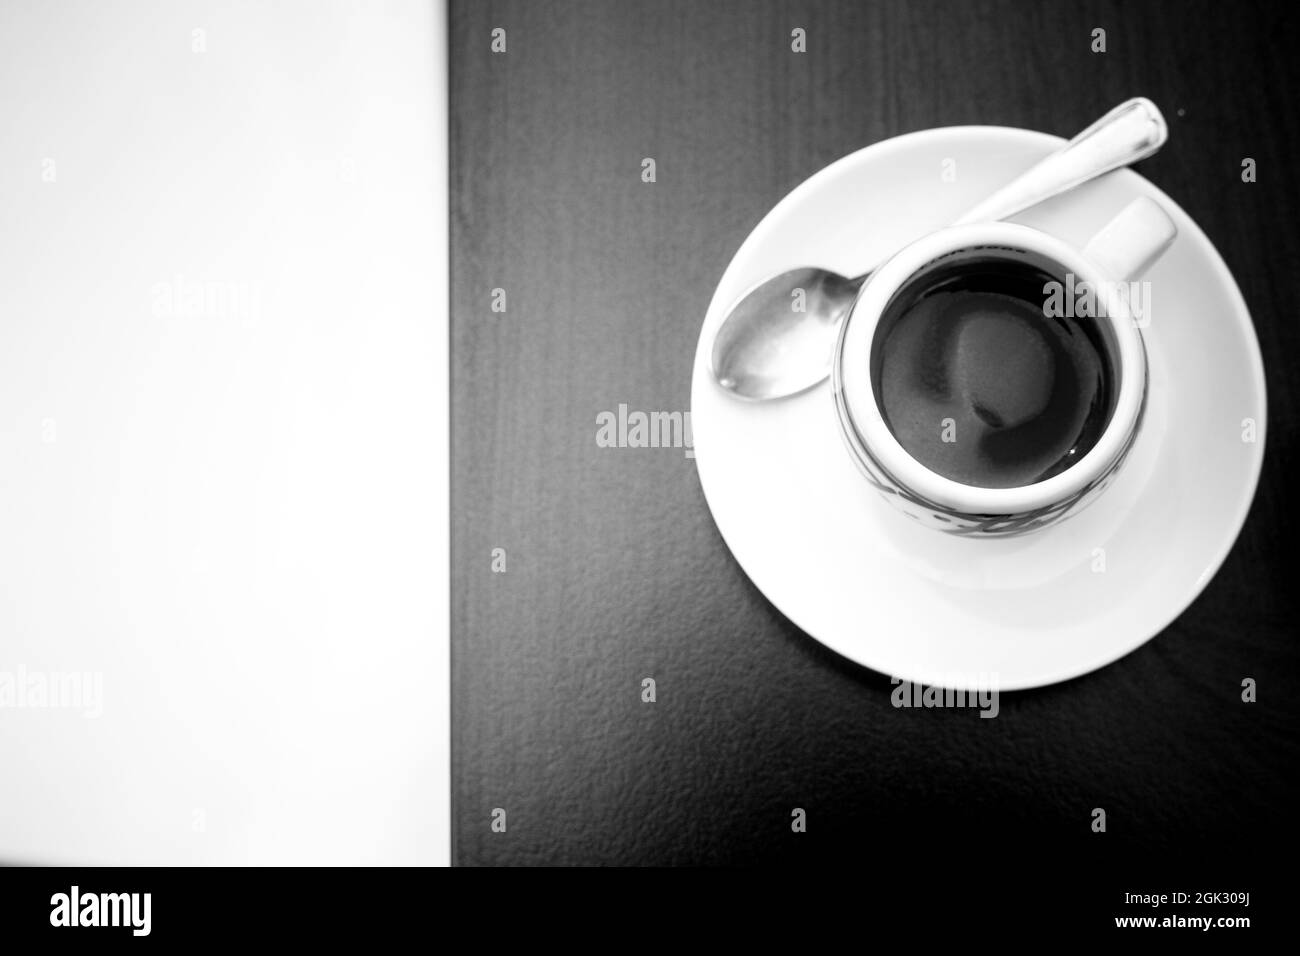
[1118, 255]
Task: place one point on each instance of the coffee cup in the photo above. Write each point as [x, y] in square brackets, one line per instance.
[990, 378]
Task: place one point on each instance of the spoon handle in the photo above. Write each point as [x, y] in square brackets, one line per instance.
[1131, 131]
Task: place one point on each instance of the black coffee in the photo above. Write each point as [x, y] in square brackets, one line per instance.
[979, 384]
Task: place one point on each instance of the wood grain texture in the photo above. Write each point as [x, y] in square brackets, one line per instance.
[615, 569]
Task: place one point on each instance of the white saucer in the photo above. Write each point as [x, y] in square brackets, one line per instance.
[914, 603]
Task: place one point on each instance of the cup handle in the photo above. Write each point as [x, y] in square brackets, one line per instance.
[1129, 244]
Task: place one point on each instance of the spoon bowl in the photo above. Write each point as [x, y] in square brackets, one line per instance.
[774, 341]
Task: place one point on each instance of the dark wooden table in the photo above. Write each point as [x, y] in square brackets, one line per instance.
[614, 569]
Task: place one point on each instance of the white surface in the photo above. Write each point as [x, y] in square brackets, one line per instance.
[234, 515]
[912, 602]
